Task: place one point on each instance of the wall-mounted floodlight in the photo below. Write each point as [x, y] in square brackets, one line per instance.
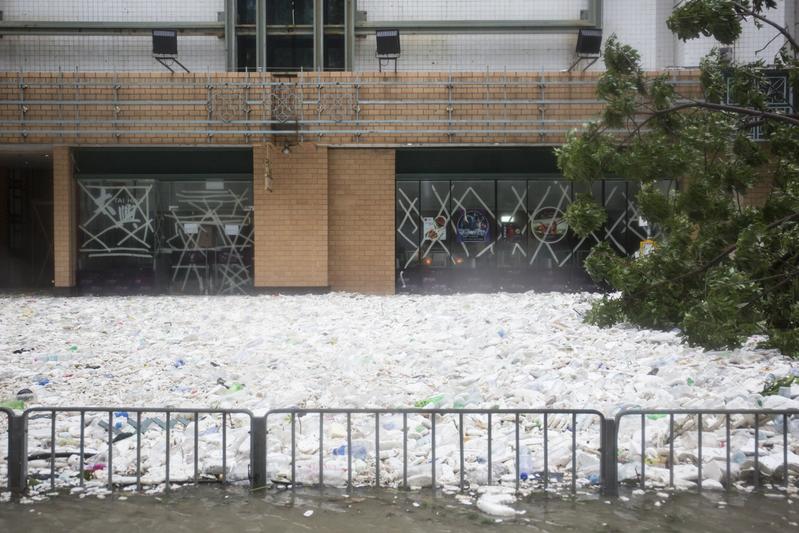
[589, 46]
[388, 47]
[165, 48]
[589, 42]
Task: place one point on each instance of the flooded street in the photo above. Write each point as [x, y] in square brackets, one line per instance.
[236, 510]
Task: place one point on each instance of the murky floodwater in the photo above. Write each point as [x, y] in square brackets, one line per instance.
[236, 510]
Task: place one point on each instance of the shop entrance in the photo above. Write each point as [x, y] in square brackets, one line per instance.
[501, 230]
[169, 224]
[26, 220]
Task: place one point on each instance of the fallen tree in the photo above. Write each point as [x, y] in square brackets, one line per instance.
[724, 267]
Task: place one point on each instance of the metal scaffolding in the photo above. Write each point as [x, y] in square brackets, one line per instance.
[501, 109]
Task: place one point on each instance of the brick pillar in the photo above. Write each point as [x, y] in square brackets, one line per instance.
[64, 218]
[362, 226]
[291, 247]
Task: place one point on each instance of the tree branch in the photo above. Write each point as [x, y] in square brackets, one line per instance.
[724, 253]
[762, 115]
[789, 119]
[783, 30]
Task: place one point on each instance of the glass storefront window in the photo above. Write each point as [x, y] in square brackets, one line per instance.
[509, 234]
[512, 219]
[409, 228]
[165, 235]
[474, 223]
[437, 237]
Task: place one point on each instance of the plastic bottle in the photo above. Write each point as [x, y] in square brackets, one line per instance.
[433, 401]
[52, 358]
[358, 452]
[525, 463]
[13, 404]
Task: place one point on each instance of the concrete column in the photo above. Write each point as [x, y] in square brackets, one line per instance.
[64, 218]
[231, 57]
[318, 35]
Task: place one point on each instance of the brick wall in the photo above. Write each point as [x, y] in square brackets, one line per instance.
[291, 222]
[361, 233]
[64, 218]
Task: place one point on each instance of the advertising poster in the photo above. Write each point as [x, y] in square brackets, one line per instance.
[548, 225]
[511, 232]
[473, 226]
[434, 228]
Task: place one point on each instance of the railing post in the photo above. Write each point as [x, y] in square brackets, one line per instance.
[609, 467]
[17, 454]
[258, 452]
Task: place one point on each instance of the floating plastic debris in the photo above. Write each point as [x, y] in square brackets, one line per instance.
[342, 350]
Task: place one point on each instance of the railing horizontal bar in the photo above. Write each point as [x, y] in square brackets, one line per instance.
[135, 410]
[195, 132]
[68, 82]
[764, 412]
[109, 102]
[443, 122]
[439, 411]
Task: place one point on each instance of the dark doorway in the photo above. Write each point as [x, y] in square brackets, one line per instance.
[26, 221]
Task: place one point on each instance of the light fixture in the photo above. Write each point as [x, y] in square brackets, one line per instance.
[505, 219]
[589, 41]
[286, 150]
[165, 49]
[589, 46]
[388, 47]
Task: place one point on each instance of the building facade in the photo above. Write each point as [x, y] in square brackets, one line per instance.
[285, 159]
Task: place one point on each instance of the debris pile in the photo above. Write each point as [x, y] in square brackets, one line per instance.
[338, 350]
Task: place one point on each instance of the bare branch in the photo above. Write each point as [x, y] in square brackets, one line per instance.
[783, 30]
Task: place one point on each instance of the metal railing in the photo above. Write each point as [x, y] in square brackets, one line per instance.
[432, 416]
[700, 418]
[19, 457]
[6, 417]
[469, 428]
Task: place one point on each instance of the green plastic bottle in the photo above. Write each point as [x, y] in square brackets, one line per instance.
[13, 404]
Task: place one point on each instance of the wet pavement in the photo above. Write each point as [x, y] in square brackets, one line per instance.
[237, 510]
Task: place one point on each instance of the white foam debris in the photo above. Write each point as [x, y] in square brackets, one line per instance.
[496, 504]
[340, 350]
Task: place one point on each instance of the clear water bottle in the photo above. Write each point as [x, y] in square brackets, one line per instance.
[358, 452]
[525, 464]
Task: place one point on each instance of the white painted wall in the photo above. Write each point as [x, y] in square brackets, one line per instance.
[89, 53]
[640, 23]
